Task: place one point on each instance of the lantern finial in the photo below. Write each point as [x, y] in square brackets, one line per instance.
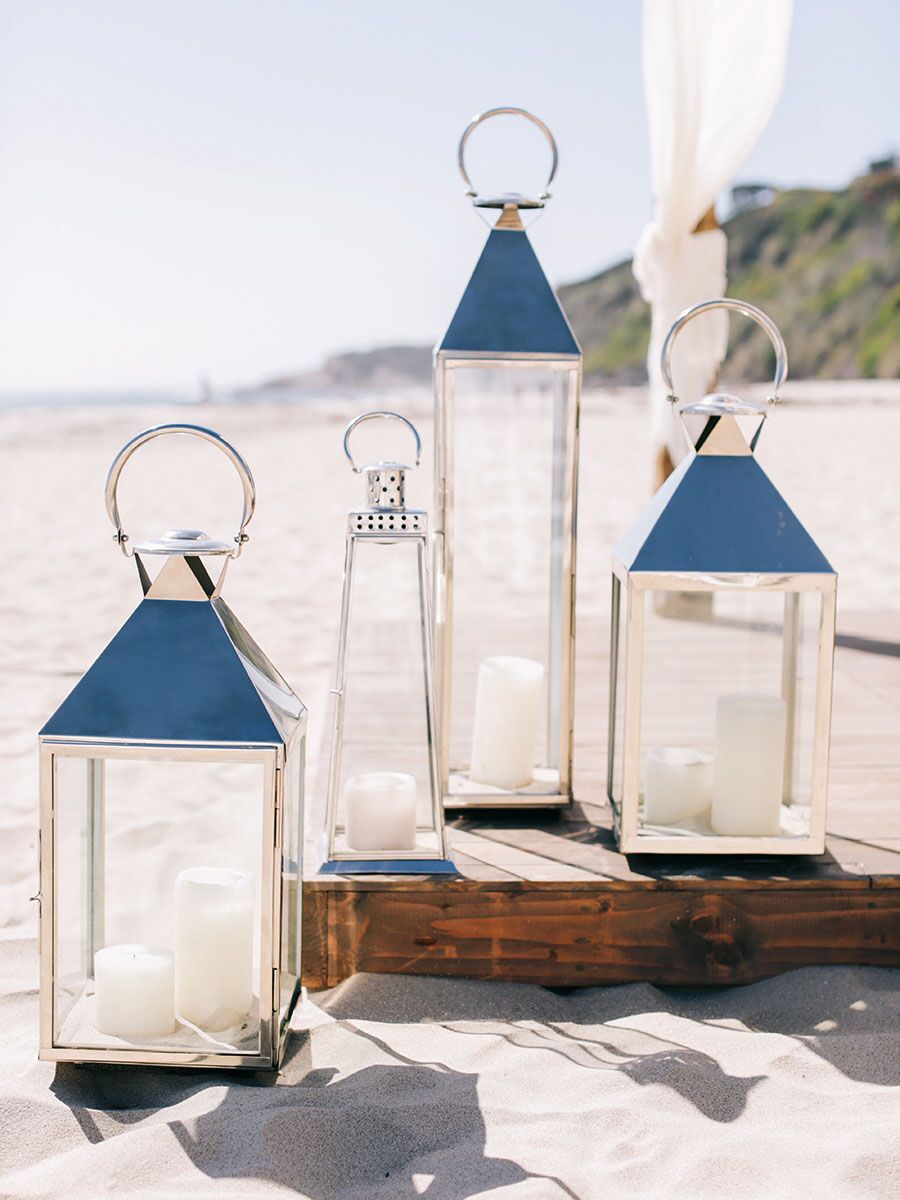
[385, 480]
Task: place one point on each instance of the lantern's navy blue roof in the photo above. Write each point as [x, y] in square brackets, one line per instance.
[508, 306]
[721, 514]
[173, 673]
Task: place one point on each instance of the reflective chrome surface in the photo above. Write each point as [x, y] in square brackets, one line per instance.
[729, 304]
[386, 526]
[199, 543]
[508, 199]
[718, 525]
[181, 682]
[509, 319]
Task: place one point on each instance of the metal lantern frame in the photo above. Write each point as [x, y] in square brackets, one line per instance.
[128, 706]
[510, 318]
[788, 563]
[386, 521]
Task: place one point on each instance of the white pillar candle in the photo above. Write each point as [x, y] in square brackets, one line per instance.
[380, 808]
[213, 946]
[678, 784]
[134, 991]
[504, 735]
[748, 772]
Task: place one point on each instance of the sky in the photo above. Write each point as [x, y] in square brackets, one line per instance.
[236, 188]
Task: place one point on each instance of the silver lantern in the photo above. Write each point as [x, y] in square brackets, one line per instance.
[720, 717]
[507, 395]
[384, 810]
[171, 805]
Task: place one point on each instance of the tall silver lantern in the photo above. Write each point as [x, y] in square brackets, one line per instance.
[384, 810]
[171, 803]
[507, 395]
[720, 718]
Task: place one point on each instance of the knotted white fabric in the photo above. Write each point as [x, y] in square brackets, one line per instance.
[713, 72]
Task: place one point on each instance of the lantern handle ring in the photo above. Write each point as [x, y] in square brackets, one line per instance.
[379, 415]
[207, 435]
[518, 201]
[746, 310]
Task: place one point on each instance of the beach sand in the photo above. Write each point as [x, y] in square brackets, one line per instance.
[407, 1087]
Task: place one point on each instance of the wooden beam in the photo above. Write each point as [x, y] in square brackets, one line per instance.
[574, 935]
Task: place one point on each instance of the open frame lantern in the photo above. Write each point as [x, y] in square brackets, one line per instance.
[384, 812]
[720, 716]
[507, 395]
[171, 816]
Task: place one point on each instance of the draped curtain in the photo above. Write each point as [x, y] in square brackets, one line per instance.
[713, 72]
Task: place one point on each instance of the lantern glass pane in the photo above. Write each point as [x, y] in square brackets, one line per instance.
[126, 829]
[727, 713]
[291, 875]
[510, 450]
[385, 726]
[616, 741]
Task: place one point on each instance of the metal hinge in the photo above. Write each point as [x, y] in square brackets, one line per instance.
[276, 991]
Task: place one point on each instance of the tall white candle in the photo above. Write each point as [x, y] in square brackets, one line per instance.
[748, 771]
[134, 990]
[678, 784]
[213, 946]
[504, 735]
[380, 808]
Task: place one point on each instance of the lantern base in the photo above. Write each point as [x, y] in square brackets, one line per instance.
[545, 791]
[388, 866]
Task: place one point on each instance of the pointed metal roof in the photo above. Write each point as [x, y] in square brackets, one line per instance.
[180, 671]
[508, 306]
[722, 514]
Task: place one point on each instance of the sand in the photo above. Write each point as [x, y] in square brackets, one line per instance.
[405, 1087]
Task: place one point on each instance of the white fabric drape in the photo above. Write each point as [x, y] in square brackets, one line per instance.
[713, 72]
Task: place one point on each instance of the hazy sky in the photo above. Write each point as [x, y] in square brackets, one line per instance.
[238, 187]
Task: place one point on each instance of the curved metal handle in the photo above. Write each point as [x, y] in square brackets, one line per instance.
[378, 415]
[746, 310]
[207, 435]
[510, 112]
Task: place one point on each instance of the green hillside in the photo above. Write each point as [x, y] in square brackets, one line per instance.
[824, 265]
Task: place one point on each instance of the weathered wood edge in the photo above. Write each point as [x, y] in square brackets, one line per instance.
[576, 935]
[686, 883]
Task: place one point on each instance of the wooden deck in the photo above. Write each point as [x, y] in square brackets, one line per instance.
[548, 899]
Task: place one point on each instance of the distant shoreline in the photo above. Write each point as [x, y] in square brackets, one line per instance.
[837, 392]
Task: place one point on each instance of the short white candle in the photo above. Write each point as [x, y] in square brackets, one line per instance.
[748, 771]
[380, 808]
[213, 946]
[134, 991]
[504, 735]
[678, 784]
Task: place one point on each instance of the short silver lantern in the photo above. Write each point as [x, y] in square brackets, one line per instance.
[720, 718]
[171, 804]
[384, 810]
[507, 395]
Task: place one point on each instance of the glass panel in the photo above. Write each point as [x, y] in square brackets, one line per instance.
[615, 742]
[385, 803]
[510, 453]
[727, 714]
[159, 870]
[76, 863]
[291, 876]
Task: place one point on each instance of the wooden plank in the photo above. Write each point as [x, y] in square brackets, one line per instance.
[566, 935]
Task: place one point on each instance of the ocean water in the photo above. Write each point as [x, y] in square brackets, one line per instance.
[93, 399]
[11, 401]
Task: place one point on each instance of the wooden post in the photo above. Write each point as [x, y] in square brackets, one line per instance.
[663, 465]
[695, 606]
